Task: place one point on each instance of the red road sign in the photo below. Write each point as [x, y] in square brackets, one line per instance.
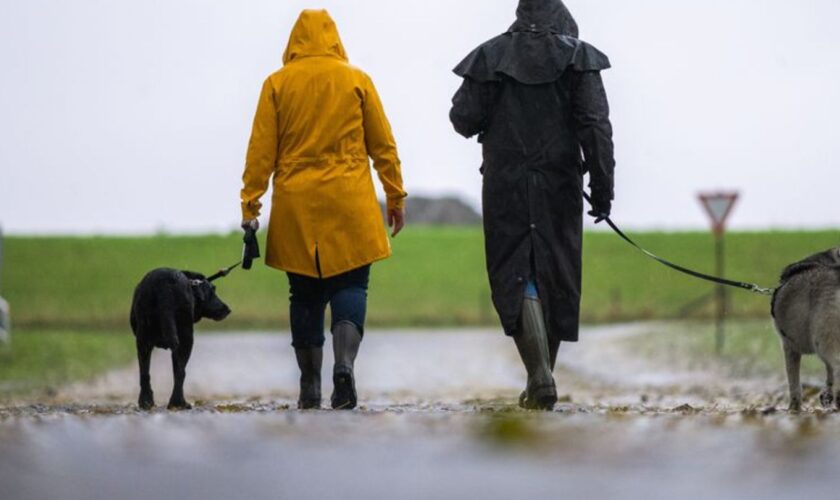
[718, 206]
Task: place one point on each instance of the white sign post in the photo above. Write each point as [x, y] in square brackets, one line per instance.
[5, 319]
[719, 207]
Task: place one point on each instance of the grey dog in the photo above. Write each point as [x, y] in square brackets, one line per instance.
[806, 310]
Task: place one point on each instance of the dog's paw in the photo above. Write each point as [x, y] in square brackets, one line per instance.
[178, 406]
[827, 399]
[795, 406]
[146, 402]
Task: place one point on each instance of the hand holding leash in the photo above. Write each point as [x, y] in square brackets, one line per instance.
[599, 216]
[251, 249]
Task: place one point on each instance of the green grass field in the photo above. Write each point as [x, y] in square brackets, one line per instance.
[436, 277]
[751, 348]
[38, 361]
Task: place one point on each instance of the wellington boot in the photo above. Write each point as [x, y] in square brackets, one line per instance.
[346, 341]
[309, 361]
[532, 343]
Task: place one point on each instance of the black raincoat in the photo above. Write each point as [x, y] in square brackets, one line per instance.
[535, 98]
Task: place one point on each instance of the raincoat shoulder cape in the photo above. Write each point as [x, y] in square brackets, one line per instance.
[540, 47]
[318, 122]
[535, 98]
[530, 58]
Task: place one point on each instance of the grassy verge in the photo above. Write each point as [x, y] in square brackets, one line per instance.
[751, 348]
[37, 361]
[435, 278]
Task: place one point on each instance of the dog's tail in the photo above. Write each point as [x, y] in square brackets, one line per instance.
[168, 331]
[166, 315]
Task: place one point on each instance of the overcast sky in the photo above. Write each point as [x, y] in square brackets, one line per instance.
[127, 116]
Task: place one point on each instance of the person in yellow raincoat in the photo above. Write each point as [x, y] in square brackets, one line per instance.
[318, 122]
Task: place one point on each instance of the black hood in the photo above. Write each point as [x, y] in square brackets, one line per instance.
[545, 15]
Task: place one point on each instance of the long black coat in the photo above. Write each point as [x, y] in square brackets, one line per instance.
[535, 98]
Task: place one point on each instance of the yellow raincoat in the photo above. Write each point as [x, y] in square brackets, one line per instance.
[317, 122]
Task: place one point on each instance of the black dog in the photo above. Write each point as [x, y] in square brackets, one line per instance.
[167, 303]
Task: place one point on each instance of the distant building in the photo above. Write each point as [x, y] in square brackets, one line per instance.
[447, 211]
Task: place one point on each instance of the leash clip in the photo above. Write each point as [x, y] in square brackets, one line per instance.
[223, 272]
[762, 291]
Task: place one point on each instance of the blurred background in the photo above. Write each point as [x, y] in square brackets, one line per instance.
[133, 117]
[123, 129]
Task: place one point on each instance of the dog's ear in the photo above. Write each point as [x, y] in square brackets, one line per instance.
[193, 275]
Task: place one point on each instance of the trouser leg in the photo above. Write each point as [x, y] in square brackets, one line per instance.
[307, 307]
[307, 304]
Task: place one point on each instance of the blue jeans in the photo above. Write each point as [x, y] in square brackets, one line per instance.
[346, 294]
[531, 290]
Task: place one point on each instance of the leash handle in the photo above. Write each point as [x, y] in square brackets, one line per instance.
[251, 248]
[750, 287]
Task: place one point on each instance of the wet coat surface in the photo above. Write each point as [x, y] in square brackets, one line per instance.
[535, 98]
[436, 421]
[318, 121]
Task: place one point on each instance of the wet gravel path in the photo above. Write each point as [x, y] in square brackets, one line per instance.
[437, 421]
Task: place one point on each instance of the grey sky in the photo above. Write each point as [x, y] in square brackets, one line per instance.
[120, 116]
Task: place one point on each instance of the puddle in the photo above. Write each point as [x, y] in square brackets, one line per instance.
[437, 420]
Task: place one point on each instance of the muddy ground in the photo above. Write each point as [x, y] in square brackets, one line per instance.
[437, 420]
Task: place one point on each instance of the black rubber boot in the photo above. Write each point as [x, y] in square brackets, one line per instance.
[532, 343]
[346, 341]
[309, 361]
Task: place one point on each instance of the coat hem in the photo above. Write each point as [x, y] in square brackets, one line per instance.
[351, 267]
[514, 331]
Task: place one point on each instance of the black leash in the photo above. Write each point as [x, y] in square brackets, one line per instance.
[223, 272]
[250, 251]
[750, 287]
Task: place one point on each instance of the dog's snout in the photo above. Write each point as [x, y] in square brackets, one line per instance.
[221, 312]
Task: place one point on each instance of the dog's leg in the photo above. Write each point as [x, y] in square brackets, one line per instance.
[792, 359]
[180, 358]
[827, 394]
[833, 383]
[144, 357]
[833, 389]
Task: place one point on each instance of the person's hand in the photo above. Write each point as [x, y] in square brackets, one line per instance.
[396, 220]
[253, 224]
[599, 216]
[600, 210]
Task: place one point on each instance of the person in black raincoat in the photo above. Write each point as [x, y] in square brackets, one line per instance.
[535, 98]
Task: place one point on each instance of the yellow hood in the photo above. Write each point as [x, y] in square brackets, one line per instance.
[314, 34]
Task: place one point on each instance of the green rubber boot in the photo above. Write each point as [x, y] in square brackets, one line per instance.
[532, 343]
